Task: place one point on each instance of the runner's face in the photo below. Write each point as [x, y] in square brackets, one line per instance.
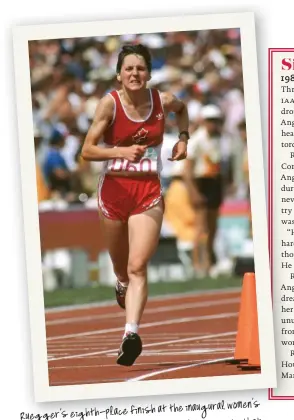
[134, 73]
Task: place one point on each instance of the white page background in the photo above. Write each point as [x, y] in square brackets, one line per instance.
[273, 29]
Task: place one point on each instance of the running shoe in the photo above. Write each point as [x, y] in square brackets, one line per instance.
[120, 292]
[130, 349]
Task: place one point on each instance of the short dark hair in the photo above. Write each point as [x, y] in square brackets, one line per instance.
[138, 49]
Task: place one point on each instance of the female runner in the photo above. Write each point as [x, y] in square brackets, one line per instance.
[131, 122]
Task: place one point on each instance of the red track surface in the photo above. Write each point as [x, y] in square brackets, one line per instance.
[183, 337]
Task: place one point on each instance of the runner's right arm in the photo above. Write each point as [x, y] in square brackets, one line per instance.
[92, 152]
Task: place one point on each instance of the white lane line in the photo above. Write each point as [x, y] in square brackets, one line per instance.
[83, 340]
[85, 306]
[162, 343]
[194, 350]
[79, 346]
[85, 382]
[111, 340]
[171, 362]
[213, 342]
[61, 355]
[70, 350]
[201, 347]
[166, 308]
[153, 353]
[149, 375]
[183, 353]
[112, 365]
[147, 325]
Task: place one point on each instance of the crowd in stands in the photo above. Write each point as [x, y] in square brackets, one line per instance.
[70, 76]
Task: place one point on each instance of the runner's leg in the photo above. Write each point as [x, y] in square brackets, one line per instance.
[144, 231]
[117, 242]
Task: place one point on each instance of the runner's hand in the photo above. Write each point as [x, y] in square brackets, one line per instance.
[179, 151]
[133, 153]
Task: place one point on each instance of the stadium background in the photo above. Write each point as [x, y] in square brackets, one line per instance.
[68, 78]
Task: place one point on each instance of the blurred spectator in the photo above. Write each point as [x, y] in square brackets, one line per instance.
[43, 192]
[245, 167]
[245, 163]
[239, 163]
[203, 175]
[56, 171]
[179, 213]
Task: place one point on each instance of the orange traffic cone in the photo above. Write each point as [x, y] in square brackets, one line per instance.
[246, 320]
[254, 354]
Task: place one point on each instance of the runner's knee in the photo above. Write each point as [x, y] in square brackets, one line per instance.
[137, 268]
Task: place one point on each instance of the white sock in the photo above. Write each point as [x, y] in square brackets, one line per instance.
[132, 327]
[123, 283]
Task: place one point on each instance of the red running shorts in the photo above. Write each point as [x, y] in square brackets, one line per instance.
[121, 197]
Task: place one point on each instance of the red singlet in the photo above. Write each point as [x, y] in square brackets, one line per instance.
[118, 196]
